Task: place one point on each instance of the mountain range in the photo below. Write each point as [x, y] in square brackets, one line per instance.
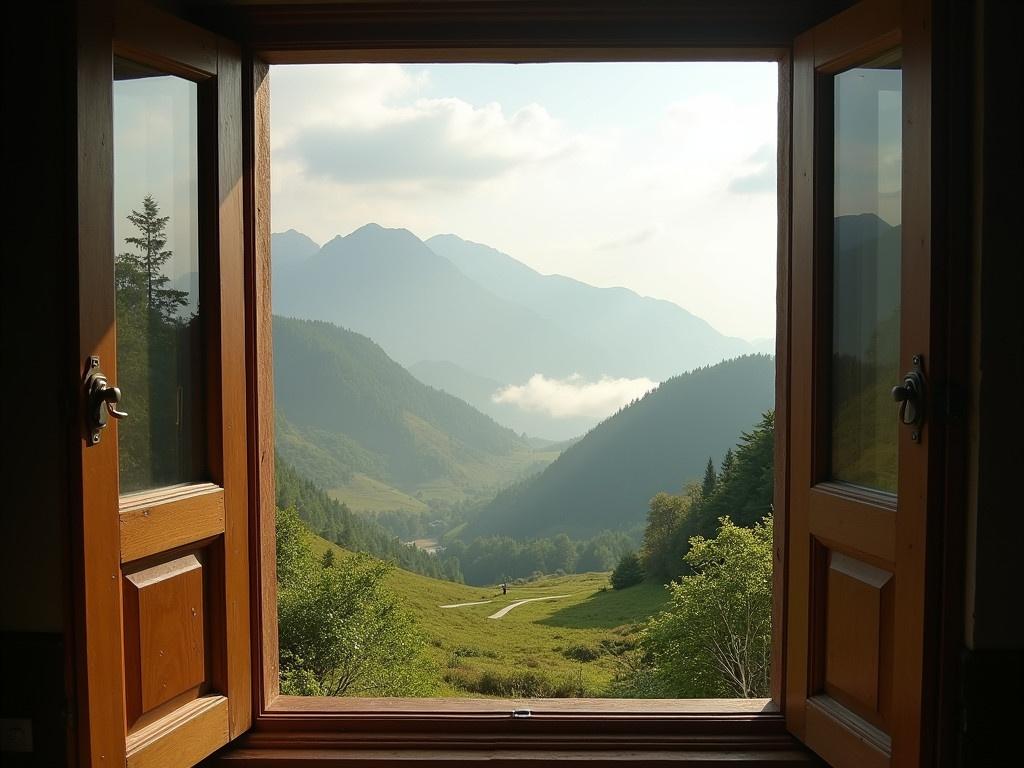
[467, 318]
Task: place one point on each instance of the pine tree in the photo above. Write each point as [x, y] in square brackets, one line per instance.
[710, 480]
[141, 274]
[727, 463]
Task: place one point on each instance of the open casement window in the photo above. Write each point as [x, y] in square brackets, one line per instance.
[164, 673]
[166, 603]
[862, 480]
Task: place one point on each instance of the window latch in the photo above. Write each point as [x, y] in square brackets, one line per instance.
[101, 400]
[521, 714]
[910, 396]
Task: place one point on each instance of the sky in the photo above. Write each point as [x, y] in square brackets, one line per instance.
[659, 177]
[155, 153]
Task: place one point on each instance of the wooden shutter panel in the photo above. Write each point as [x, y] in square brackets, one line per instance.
[856, 645]
[162, 576]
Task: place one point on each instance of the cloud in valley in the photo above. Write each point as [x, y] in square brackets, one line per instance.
[573, 396]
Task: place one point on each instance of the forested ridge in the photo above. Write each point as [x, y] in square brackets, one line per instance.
[335, 522]
[344, 407]
[658, 443]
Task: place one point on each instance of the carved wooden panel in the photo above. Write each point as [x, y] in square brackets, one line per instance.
[165, 639]
[858, 636]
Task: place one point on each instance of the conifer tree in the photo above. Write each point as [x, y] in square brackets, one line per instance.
[710, 480]
[727, 463]
[141, 274]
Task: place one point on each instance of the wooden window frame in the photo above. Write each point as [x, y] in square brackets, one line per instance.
[602, 731]
[283, 724]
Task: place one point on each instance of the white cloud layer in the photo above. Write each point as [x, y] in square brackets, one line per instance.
[573, 397]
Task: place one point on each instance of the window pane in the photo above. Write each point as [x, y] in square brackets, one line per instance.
[521, 317]
[156, 225]
[866, 272]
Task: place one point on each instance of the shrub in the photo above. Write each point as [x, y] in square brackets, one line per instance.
[581, 653]
[341, 631]
[628, 572]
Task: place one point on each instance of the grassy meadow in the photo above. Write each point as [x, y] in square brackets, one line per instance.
[561, 647]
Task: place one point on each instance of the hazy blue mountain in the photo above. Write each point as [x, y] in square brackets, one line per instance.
[417, 305]
[478, 391]
[658, 443]
[359, 425]
[288, 250]
[638, 336]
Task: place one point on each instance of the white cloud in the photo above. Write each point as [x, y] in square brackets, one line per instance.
[573, 397]
[674, 199]
[363, 125]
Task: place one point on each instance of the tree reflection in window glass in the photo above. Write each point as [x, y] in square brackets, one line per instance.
[157, 277]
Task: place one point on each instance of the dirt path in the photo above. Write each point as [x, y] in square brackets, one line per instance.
[516, 604]
[463, 605]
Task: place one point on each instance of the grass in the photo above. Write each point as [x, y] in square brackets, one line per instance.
[538, 648]
[364, 494]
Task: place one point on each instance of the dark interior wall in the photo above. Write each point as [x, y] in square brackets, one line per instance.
[998, 454]
[35, 306]
[34, 312]
[992, 662]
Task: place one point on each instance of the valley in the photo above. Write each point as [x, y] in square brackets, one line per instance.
[549, 646]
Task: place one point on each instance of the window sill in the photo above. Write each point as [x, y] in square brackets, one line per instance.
[502, 708]
[355, 732]
[783, 757]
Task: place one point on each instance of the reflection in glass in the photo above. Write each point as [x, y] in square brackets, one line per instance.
[868, 156]
[156, 210]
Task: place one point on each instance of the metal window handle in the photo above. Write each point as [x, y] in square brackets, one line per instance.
[102, 400]
[910, 395]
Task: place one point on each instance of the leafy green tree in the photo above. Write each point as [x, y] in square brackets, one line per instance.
[341, 631]
[664, 516]
[714, 639]
[564, 556]
[628, 572]
[707, 487]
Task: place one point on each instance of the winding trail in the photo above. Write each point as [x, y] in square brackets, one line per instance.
[463, 605]
[516, 604]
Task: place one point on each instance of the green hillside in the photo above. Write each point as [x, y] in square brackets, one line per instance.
[363, 428]
[567, 646]
[658, 443]
[334, 521]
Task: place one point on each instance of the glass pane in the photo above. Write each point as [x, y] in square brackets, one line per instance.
[156, 235]
[866, 271]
